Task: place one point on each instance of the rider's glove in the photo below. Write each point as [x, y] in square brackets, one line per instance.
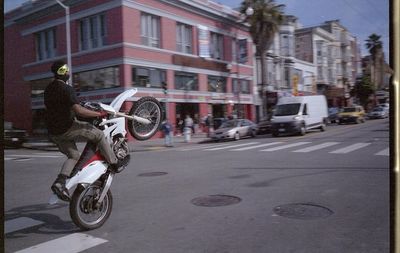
[103, 114]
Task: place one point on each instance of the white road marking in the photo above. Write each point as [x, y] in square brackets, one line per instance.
[257, 146]
[68, 244]
[232, 146]
[19, 224]
[286, 146]
[384, 152]
[201, 147]
[316, 147]
[37, 156]
[350, 148]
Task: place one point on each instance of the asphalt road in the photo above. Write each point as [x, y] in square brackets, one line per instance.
[322, 192]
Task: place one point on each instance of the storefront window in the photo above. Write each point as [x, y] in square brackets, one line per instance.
[97, 79]
[217, 84]
[148, 77]
[186, 81]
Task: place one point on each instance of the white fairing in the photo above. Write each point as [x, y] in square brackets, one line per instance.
[119, 100]
[118, 127]
[88, 175]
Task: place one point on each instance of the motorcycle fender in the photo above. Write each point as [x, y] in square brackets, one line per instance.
[119, 100]
[88, 175]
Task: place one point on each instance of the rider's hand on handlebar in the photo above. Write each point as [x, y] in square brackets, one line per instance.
[103, 114]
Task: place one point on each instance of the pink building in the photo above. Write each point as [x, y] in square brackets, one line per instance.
[198, 48]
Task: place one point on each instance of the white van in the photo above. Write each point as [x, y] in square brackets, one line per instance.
[299, 114]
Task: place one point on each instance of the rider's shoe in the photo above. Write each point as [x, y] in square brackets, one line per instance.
[59, 189]
[121, 164]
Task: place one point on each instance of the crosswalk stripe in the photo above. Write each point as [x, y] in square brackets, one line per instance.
[350, 148]
[76, 242]
[384, 152]
[286, 146]
[317, 147]
[201, 147]
[257, 146]
[37, 156]
[232, 146]
[19, 224]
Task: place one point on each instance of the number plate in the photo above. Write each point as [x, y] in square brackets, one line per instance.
[281, 130]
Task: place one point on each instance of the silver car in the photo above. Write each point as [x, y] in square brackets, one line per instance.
[378, 113]
[235, 129]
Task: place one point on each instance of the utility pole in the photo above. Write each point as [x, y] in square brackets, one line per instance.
[68, 37]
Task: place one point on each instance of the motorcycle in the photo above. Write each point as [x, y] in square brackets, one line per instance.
[89, 183]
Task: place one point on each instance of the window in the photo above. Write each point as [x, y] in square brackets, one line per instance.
[186, 81]
[240, 86]
[148, 77]
[150, 30]
[92, 32]
[216, 84]
[46, 44]
[217, 46]
[38, 86]
[97, 79]
[184, 41]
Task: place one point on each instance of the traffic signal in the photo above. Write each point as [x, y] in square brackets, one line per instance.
[165, 88]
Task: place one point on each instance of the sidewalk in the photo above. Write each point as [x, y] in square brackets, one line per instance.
[43, 143]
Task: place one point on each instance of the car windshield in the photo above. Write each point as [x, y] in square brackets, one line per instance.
[287, 109]
[378, 109]
[349, 109]
[229, 124]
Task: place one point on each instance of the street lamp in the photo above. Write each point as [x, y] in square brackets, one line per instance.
[68, 36]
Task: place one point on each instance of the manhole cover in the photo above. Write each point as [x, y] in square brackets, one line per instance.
[303, 211]
[216, 200]
[152, 174]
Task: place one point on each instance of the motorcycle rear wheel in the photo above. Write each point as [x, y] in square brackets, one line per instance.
[148, 108]
[83, 210]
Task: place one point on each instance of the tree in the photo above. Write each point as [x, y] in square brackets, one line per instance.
[363, 89]
[264, 24]
[374, 46]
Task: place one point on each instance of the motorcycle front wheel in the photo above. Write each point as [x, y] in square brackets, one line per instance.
[84, 210]
[148, 108]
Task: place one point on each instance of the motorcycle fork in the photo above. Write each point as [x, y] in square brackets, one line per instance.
[107, 185]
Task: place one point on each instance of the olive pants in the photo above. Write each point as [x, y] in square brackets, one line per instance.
[79, 130]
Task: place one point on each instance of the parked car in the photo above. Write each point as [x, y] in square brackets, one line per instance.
[13, 137]
[235, 129]
[264, 126]
[378, 113]
[217, 122]
[355, 114]
[333, 114]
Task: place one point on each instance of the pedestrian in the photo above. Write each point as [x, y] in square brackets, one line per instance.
[64, 129]
[168, 132]
[189, 123]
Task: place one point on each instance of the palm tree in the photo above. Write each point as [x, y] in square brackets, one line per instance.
[374, 45]
[264, 24]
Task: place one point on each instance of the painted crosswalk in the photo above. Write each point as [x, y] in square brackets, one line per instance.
[18, 158]
[317, 147]
[72, 243]
[286, 146]
[76, 242]
[20, 224]
[350, 148]
[296, 147]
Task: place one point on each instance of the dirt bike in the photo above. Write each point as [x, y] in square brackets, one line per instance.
[89, 183]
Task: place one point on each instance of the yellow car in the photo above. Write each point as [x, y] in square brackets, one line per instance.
[354, 114]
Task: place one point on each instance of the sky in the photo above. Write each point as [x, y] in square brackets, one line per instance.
[361, 17]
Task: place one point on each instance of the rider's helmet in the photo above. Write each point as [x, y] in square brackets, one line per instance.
[60, 70]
